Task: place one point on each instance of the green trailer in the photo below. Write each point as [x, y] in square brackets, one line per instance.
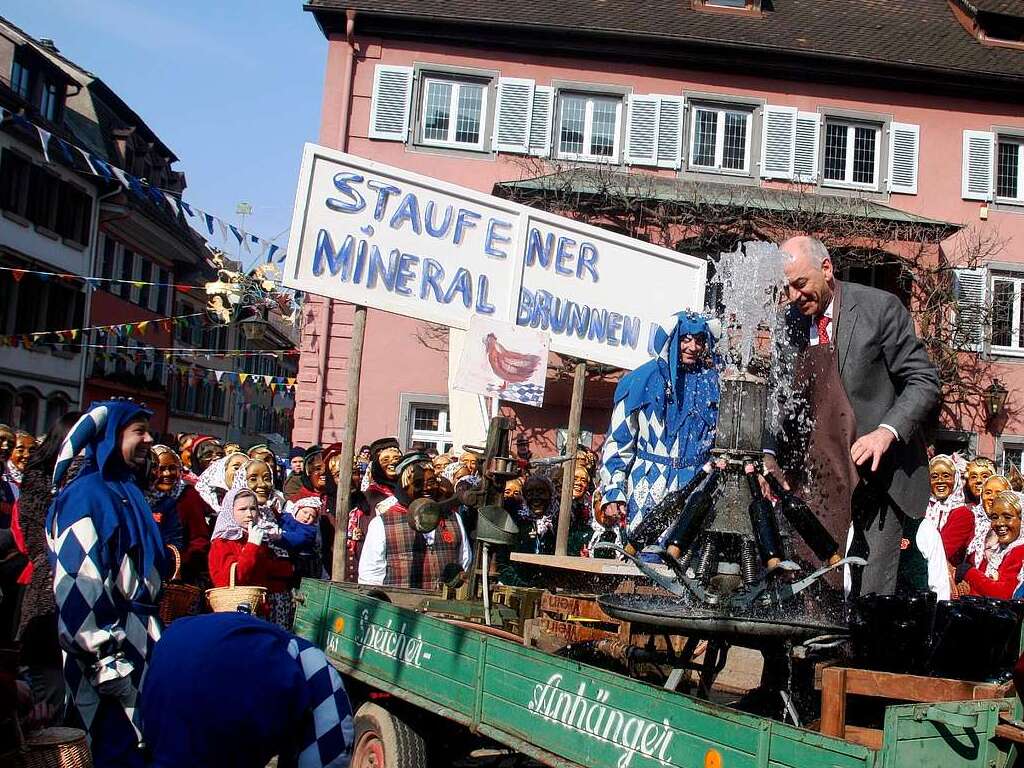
[418, 681]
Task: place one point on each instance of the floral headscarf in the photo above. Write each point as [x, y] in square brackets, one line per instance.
[226, 527]
[938, 511]
[214, 478]
[982, 526]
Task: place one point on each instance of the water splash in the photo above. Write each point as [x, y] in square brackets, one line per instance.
[750, 280]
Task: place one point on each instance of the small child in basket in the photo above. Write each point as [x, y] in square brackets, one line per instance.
[300, 534]
[240, 536]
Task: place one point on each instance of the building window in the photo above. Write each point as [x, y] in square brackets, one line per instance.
[163, 278]
[145, 277]
[720, 139]
[50, 101]
[21, 80]
[26, 412]
[74, 218]
[1010, 170]
[429, 427]
[108, 261]
[851, 153]
[454, 113]
[124, 288]
[588, 127]
[15, 180]
[44, 198]
[1007, 332]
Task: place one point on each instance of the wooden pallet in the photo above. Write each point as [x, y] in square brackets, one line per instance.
[839, 682]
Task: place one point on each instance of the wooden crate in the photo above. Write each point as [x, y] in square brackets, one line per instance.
[839, 682]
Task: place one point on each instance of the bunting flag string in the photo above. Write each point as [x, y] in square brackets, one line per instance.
[138, 327]
[27, 341]
[18, 273]
[199, 220]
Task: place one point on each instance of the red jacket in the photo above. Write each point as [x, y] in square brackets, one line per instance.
[257, 565]
[195, 532]
[957, 534]
[1002, 587]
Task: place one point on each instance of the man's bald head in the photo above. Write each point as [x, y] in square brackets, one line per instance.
[810, 281]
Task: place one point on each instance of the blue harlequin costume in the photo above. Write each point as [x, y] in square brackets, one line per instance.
[227, 690]
[107, 558]
[663, 422]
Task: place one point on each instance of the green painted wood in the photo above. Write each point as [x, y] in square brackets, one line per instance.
[913, 740]
[569, 714]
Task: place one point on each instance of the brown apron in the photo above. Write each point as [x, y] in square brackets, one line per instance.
[828, 476]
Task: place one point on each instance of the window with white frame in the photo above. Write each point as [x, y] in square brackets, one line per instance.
[429, 427]
[720, 139]
[1013, 456]
[454, 113]
[852, 152]
[1010, 169]
[589, 127]
[1007, 331]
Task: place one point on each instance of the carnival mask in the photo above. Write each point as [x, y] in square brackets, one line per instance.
[538, 500]
[259, 480]
[469, 461]
[992, 488]
[942, 476]
[315, 473]
[24, 445]
[419, 481]
[388, 460]
[231, 466]
[978, 471]
[166, 472]
[6, 444]
[580, 482]
[205, 454]
[1005, 518]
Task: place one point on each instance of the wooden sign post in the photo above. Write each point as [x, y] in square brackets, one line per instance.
[572, 440]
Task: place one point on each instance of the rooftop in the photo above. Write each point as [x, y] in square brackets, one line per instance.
[920, 35]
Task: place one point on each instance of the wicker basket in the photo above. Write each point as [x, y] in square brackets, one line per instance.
[177, 599]
[54, 748]
[230, 597]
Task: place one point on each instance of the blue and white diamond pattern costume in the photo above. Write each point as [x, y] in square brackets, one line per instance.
[107, 556]
[663, 422]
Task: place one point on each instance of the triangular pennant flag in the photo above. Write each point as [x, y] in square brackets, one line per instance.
[242, 376]
[141, 327]
[138, 283]
[106, 170]
[236, 232]
[74, 334]
[218, 374]
[291, 381]
[223, 229]
[17, 274]
[270, 254]
[65, 149]
[273, 388]
[44, 138]
[173, 201]
[185, 206]
[209, 222]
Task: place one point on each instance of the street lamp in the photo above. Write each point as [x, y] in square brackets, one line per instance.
[995, 398]
[255, 329]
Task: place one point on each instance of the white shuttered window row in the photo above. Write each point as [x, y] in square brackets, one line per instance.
[654, 131]
[390, 102]
[522, 117]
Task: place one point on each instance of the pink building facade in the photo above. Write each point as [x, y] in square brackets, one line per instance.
[911, 108]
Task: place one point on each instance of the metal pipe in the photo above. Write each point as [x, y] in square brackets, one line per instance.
[486, 585]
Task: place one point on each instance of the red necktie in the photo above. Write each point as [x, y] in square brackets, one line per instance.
[823, 330]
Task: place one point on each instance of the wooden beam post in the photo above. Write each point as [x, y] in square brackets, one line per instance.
[348, 448]
[572, 440]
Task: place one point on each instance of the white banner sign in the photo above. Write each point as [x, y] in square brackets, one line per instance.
[386, 238]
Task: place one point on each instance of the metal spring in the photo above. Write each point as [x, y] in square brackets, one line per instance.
[748, 560]
[708, 561]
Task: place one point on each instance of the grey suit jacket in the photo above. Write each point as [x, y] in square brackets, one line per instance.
[888, 378]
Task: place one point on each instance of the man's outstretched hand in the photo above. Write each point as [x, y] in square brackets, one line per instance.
[872, 447]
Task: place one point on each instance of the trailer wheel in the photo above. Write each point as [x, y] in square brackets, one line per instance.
[383, 740]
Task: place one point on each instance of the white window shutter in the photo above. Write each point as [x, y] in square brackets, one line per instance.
[978, 161]
[805, 154]
[778, 142]
[390, 102]
[642, 130]
[512, 116]
[540, 120]
[904, 150]
[670, 132]
[969, 294]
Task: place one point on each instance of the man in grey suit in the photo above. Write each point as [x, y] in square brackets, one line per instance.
[863, 378]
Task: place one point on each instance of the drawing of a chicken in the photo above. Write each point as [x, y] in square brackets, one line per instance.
[512, 367]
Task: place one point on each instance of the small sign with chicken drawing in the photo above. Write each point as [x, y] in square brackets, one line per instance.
[503, 360]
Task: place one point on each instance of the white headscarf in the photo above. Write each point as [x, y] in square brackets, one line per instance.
[214, 478]
[226, 526]
[938, 511]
